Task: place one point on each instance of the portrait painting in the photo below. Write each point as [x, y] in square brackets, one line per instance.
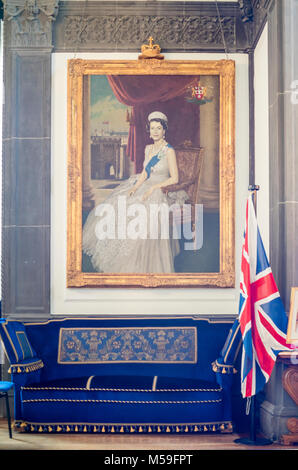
[150, 173]
[292, 333]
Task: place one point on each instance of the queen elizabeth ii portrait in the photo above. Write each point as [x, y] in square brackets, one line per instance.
[138, 128]
[151, 173]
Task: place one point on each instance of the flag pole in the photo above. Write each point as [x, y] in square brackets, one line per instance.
[253, 440]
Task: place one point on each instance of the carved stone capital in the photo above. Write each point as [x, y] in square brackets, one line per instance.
[246, 9]
[30, 22]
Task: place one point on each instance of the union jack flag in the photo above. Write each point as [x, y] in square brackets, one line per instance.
[262, 318]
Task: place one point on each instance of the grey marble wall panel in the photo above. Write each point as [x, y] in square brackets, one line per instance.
[32, 269]
[31, 75]
[27, 173]
[29, 78]
[32, 192]
[8, 185]
[26, 169]
[26, 267]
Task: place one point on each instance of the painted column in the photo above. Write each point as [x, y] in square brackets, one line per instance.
[283, 169]
[27, 157]
[283, 122]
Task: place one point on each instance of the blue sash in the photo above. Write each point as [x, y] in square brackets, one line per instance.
[154, 160]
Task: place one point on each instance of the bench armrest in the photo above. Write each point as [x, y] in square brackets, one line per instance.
[224, 364]
[25, 365]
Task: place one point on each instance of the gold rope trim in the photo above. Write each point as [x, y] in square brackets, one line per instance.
[173, 428]
[149, 402]
[25, 368]
[124, 389]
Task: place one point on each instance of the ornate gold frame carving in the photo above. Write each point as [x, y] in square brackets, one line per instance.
[225, 69]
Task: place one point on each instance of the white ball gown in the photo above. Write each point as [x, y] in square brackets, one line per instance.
[116, 251]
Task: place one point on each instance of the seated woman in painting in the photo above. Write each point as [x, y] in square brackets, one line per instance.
[116, 243]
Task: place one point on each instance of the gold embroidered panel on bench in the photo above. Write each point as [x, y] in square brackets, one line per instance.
[114, 345]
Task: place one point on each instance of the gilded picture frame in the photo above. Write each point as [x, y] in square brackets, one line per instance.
[224, 70]
[292, 332]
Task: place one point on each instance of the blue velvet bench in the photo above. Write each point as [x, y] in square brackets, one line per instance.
[120, 375]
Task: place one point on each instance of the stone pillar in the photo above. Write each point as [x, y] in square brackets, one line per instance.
[27, 157]
[283, 122]
[283, 128]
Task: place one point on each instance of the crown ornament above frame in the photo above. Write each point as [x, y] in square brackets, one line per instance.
[151, 51]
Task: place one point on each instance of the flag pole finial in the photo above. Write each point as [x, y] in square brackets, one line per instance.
[254, 188]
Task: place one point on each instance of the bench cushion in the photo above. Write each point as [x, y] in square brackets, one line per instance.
[122, 404]
[16, 342]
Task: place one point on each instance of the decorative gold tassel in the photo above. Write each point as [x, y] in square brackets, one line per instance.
[214, 428]
[40, 429]
[94, 429]
[168, 429]
[140, 429]
[149, 429]
[132, 429]
[103, 429]
[158, 429]
[196, 429]
[67, 429]
[205, 429]
[177, 429]
[121, 429]
[186, 429]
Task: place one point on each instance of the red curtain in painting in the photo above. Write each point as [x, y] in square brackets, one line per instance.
[157, 93]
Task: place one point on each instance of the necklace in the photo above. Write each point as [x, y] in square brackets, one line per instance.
[159, 148]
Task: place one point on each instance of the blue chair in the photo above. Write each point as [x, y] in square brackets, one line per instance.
[4, 388]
